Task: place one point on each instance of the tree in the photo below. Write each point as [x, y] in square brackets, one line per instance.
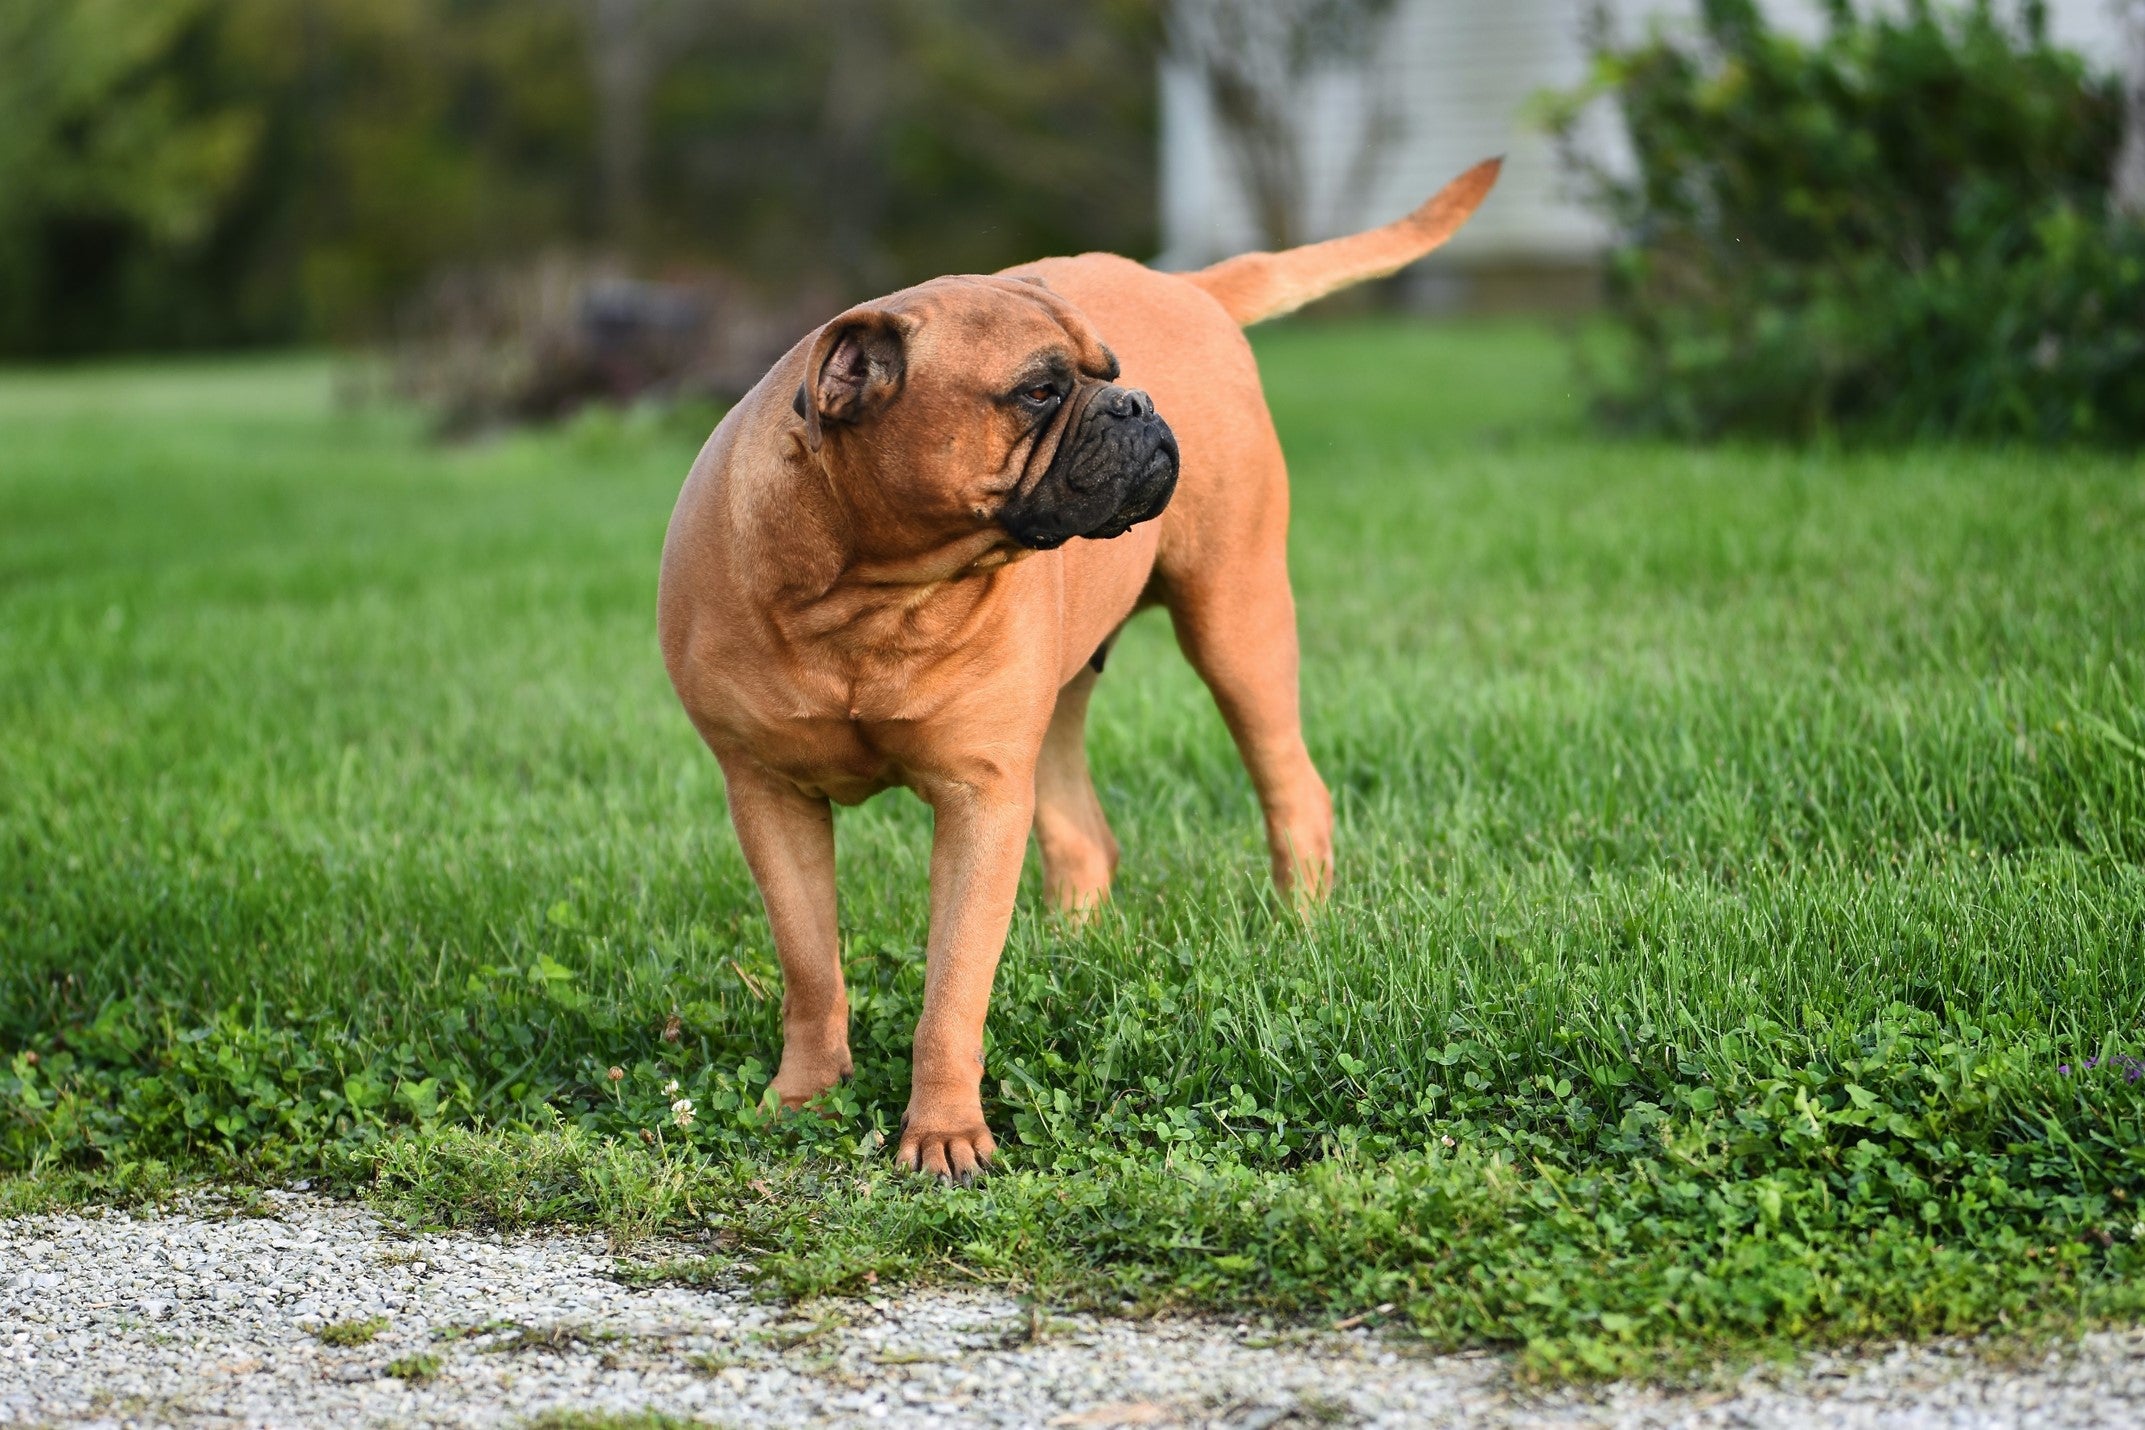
[1259, 59]
[112, 163]
[2130, 162]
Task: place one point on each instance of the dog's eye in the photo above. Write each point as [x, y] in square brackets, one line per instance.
[1041, 395]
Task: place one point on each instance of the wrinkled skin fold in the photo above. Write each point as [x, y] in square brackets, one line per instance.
[1115, 467]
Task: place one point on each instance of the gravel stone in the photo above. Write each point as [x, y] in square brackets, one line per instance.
[197, 1316]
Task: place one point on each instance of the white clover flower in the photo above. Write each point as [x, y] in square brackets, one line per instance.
[670, 1089]
[1447, 1140]
[681, 1111]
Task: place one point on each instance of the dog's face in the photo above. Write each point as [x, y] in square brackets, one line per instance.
[972, 405]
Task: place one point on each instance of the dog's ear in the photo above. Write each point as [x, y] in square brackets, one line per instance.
[856, 367]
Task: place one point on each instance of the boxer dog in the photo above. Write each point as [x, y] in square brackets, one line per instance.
[901, 560]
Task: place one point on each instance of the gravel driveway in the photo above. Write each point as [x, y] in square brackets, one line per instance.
[195, 1317]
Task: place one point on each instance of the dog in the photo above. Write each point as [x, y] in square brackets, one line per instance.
[901, 560]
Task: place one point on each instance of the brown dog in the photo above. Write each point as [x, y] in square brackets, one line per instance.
[902, 557]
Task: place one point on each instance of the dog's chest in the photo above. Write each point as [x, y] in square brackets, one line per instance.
[839, 733]
[864, 691]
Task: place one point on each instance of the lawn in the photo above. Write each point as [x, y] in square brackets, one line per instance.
[1740, 931]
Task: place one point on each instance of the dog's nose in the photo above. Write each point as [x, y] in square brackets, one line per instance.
[1126, 402]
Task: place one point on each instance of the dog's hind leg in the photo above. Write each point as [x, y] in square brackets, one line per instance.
[1236, 623]
[1079, 852]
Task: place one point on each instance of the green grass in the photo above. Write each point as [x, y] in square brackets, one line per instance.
[1740, 869]
[417, 1368]
[351, 1333]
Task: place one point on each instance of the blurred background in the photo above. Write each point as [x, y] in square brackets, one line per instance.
[533, 204]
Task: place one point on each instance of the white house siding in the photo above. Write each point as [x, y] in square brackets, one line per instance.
[1461, 74]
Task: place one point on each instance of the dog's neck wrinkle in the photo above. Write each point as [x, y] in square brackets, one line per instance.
[891, 610]
[819, 586]
[885, 543]
[793, 534]
[953, 560]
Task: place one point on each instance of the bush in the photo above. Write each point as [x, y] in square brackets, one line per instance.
[487, 347]
[1903, 229]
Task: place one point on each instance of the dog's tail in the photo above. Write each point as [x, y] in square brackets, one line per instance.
[1256, 286]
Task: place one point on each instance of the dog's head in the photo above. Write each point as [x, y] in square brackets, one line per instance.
[976, 404]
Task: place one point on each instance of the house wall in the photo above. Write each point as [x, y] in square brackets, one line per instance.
[1460, 76]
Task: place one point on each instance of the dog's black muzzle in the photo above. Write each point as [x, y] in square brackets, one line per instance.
[1115, 467]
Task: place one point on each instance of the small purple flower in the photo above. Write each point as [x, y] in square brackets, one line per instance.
[2132, 1068]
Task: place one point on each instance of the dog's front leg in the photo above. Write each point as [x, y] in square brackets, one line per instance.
[979, 837]
[788, 839]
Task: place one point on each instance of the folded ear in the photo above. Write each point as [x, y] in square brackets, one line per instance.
[855, 368]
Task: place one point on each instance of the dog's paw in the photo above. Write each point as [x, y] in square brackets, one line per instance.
[952, 1151]
[803, 1077]
[1077, 907]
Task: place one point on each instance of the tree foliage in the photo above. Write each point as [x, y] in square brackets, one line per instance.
[184, 172]
[107, 142]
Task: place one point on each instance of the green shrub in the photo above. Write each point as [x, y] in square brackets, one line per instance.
[1902, 229]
